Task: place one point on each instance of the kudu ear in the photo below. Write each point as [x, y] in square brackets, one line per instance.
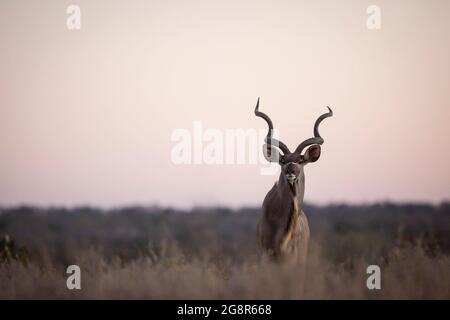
[312, 154]
[271, 153]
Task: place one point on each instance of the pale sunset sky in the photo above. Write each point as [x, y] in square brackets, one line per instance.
[86, 116]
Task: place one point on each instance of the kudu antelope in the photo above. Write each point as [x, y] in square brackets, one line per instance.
[283, 230]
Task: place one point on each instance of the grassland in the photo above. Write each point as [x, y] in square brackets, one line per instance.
[157, 253]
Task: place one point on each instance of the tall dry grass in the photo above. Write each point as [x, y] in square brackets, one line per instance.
[408, 272]
[155, 253]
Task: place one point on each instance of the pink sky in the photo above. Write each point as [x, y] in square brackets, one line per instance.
[86, 116]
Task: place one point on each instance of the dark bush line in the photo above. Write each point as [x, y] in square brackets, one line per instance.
[342, 230]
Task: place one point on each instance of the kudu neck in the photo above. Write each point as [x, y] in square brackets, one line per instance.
[295, 190]
[292, 193]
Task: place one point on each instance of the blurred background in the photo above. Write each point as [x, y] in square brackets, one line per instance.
[86, 116]
[86, 119]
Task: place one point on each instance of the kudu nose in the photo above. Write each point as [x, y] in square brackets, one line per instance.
[290, 169]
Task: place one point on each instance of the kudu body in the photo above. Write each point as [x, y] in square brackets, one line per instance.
[283, 230]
